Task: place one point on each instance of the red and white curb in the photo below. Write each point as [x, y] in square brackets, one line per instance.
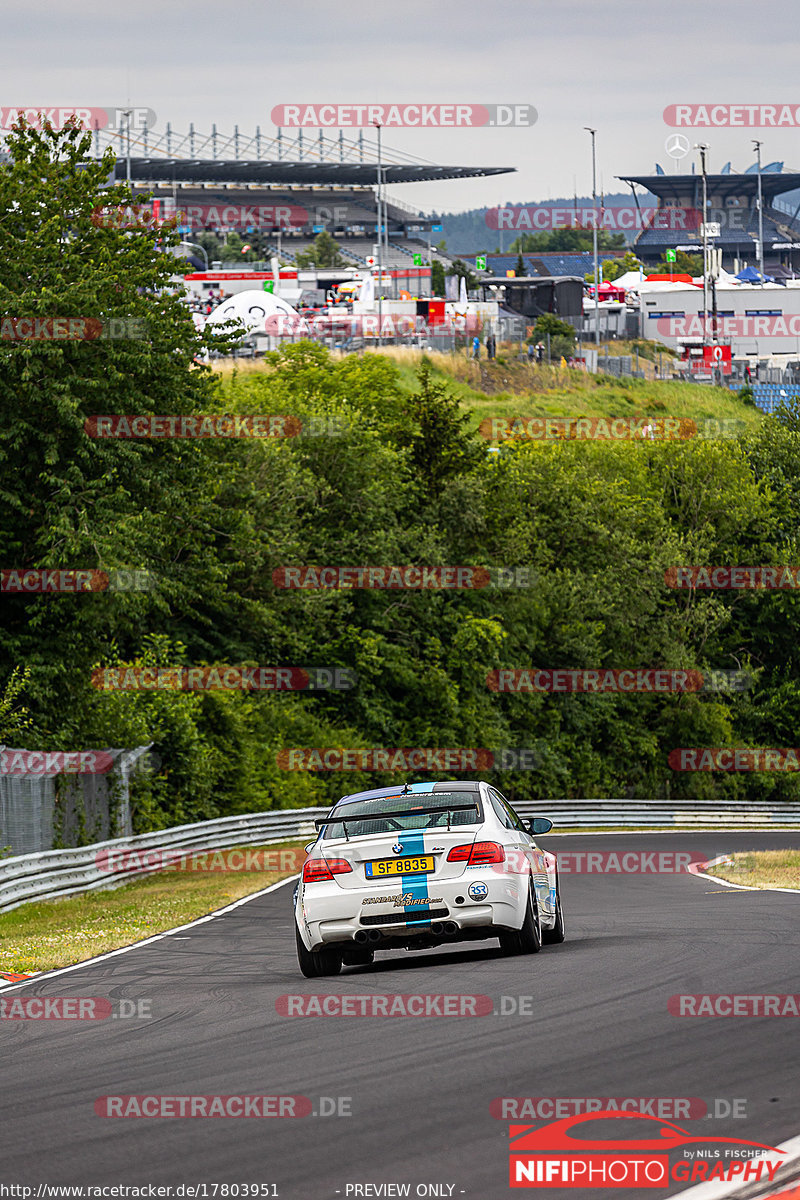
[717, 1190]
[697, 869]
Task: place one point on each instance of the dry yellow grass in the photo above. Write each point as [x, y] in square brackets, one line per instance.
[56, 933]
[761, 869]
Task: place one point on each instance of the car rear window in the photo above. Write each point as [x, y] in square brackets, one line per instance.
[439, 806]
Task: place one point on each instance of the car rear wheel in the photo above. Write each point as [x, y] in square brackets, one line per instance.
[528, 939]
[315, 963]
[551, 937]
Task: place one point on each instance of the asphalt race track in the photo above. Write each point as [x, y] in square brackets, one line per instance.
[419, 1088]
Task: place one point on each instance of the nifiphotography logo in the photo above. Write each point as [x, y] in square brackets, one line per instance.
[578, 1152]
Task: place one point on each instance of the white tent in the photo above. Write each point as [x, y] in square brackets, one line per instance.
[630, 280]
[250, 308]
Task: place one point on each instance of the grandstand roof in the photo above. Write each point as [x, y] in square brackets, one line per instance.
[211, 170]
[679, 187]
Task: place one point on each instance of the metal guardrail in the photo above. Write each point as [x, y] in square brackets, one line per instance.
[660, 814]
[56, 873]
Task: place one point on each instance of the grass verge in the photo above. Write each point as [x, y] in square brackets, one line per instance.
[508, 388]
[57, 933]
[761, 869]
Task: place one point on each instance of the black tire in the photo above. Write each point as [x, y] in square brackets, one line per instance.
[528, 939]
[357, 956]
[315, 963]
[552, 937]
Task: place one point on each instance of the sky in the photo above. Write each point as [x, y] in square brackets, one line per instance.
[614, 65]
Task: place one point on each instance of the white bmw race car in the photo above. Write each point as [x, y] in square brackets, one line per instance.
[422, 865]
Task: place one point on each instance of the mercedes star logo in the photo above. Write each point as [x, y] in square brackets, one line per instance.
[677, 145]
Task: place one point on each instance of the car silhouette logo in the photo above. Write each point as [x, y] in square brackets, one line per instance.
[397, 848]
[556, 1135]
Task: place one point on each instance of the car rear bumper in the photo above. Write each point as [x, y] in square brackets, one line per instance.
[328, 914]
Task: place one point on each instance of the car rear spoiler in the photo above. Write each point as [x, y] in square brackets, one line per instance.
[321, 822]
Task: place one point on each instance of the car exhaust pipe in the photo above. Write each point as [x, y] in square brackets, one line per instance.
[361, 937]
[437, 927]
[450, 927]
[374, 935]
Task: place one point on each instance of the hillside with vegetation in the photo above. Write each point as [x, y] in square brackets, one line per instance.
[386, 466]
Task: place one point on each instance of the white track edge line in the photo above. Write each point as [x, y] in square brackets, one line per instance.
[156, 937]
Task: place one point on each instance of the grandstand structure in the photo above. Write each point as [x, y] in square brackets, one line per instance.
[733, 205]
[544, 265]
[284, 191]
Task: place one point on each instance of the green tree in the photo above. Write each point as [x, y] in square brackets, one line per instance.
[685, 264]
[440, 445]
[567, 241]
[437, 278]
[72, 248]
[614, 267]
[520, 267]
[460, 268]
[323, 252]
[562, 335]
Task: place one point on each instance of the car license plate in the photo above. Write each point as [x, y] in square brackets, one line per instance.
[382, 867]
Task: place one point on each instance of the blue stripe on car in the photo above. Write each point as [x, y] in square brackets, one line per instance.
[416, 885]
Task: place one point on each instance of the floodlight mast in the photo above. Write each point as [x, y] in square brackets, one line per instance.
[760, 215]
[126, 113]
[594, 240]
[380, 241]
[703, 147]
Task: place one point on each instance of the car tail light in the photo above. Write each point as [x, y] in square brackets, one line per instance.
[320, 870]
[477, 854]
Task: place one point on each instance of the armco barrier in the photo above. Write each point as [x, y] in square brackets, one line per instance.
[56, 873]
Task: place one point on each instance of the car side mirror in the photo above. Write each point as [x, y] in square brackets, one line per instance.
[540, 825]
